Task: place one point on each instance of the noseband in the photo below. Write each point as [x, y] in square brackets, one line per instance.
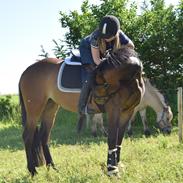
[103, 99]
[162, 118]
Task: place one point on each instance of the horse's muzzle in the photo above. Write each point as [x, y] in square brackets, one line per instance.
[165, 130]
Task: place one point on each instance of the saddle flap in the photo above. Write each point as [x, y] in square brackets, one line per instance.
[69, 78]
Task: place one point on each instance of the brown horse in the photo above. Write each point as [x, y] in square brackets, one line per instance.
[119, 86]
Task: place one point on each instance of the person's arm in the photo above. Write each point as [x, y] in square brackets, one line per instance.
[125, 40]
[96, 55]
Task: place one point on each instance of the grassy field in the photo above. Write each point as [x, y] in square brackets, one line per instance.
[82, 158]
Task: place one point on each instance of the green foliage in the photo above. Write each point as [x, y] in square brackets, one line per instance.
[59, 50]
[157, 33]
[43, 54]
[78, 25]
[82, 24]
[159, 46]
[82, 158]
[9, 109]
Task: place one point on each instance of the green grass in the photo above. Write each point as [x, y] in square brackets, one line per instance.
[82, 158]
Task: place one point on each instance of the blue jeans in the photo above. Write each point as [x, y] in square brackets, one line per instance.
[86, 59]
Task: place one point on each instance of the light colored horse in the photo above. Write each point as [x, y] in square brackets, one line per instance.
[152, 98]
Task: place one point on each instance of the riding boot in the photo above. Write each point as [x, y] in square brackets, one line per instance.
[85, 92]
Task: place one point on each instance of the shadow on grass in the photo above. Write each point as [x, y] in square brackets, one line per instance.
[63, 133]
[10, 138]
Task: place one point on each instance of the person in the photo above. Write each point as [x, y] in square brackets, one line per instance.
[92, 49]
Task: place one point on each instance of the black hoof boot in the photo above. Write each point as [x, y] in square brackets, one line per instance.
[112, 168]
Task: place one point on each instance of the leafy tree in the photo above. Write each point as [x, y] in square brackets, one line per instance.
[8, 109]
[82, 24]
[43, 54]
[59, 51]
[158, 48]
[157, 34]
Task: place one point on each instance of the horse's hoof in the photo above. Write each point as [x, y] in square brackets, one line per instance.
[113, 171]
[94, 134]
[147, 133]
[166, 131]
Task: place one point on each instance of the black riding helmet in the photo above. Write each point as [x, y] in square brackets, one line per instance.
[108, 27]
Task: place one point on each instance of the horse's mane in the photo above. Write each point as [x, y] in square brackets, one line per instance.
[155, 91]
[124, 53]
[117, 58]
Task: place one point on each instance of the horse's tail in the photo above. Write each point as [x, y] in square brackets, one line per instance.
[22, 105]
[36, 148]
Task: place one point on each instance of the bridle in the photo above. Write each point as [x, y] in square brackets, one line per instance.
[108, 94]
[162, 118]
[103, 99]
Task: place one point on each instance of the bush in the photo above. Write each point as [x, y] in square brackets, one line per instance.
[8, 108]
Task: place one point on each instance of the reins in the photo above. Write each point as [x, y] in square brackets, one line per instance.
[103, 99]
[162, 117]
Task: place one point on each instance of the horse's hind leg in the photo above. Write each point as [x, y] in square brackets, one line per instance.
[47, 121]
[28, 136]
[147, 131]
[31, 136]
[129, 126]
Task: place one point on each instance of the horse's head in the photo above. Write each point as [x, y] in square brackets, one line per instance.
[164, 121]
[121, 65]
[128, 63]
[120, 71]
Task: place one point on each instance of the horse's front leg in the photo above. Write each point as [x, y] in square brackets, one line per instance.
[124, 119]
[147, 131]
[112, 167]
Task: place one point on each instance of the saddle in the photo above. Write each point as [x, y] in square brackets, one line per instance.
[69, 77]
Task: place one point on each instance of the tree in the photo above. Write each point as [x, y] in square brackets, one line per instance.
[82, 24]
[157, 33]
[44, 53]
[158, 48]
[60, 50]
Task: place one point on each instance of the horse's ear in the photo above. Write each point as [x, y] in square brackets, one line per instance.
[167, 108]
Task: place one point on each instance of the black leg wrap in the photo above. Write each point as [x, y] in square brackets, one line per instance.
[118, 153]
[112, 162]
